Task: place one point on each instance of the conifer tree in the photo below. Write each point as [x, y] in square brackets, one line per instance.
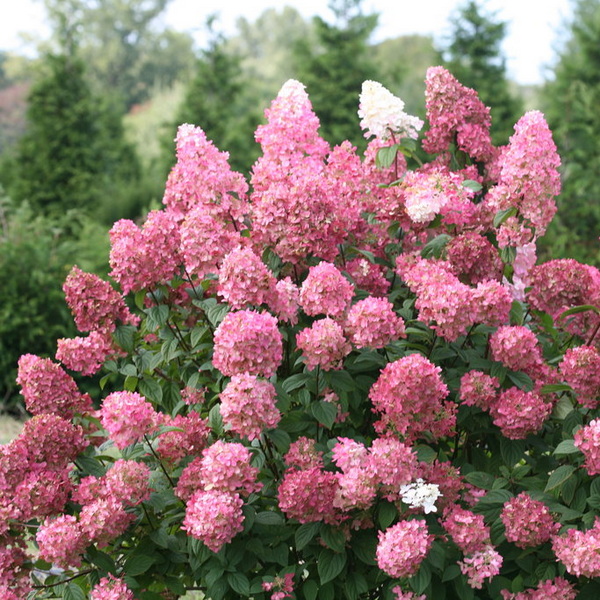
[473, 54]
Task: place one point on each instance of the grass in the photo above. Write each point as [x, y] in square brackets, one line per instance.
[9, 428]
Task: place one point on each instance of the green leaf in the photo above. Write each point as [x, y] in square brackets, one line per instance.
[386, 156]
[594, 501]
[239, 583]
[102, 560]
[324, 412]
[503, 215]
[435, 247]
[327, 592]
[125, 336]
[156, 316]
[508, 254]
[578, 309]
[521, 380]
[151, 390]
[269, 517]
[472, 185]
[138, 564]
[566, 447]
[73, 592]
[559, 476]
[217, 313]
[310, 589]
[517, 313]
[420, 581]
[451, 572]
[555, 388]
[512, 451]
[215, 420]
[330, 565]
[480, 479]
[305, 534]
[91, 466]
[296, 381]
[334, 538]
[386, 513]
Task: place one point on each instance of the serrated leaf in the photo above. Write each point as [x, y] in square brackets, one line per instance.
[421, 579]
[471, 184]
[386, 513]
[296, 381]
[508, 254]
[521, 380]
[503, 215]
[91, 465]
[305, 534]
[334, 538]
[310, 589]
[216, 313]
[269, 517]
[512, 451]
[434, 248]
[555, 388]
[330, 565]
[480, 479]
[138, 564]
[124, 336]
[578, 309]
[73, 592]
[156, 316]
[324, 412]
[151, 390]
[559, 476]
[566, 447]
[386, 156]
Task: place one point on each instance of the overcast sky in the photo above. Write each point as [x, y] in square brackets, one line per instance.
[533, 25]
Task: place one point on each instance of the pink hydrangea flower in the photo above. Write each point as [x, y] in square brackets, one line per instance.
[248, 342]
[61, 541]
[517, 347]
[47, 388]
[372, 323]
[393, 464]
[308, 495]
[86, 355]
[325, 291]
[527, 522]
[282, 587]
[368, 276]
[481, 565]
[551, 589]
[244, 279]
[175, 445]
[579, 551]
[402, 548]
[128, 417]
[492, 302]
[479, 389]
[409, 395]
[323, 345]
[303, 454]
[587, 439]
[104, 520]
[287, 301]
[401, 595]
[580, 368]
[214, 516]
[519, 413]
[142, 258]
[95, 305]
[474, 258]
[467, 529]
[248, 406]
[111, 588]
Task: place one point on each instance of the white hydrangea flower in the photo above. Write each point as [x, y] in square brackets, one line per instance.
[421, 495]
[382, 113]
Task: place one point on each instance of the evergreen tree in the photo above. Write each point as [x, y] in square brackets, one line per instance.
[474, 56]
[217, 100]
[336, 68]
[571, 99]
[73, 153]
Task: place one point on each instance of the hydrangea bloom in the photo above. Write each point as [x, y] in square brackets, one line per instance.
[248, 342]
[323, 345]
[85, 355]
[479, 389]
[325, 291]
[580, 368]
[382, 114]
[579, 551]
[248, 406]
[393, 463]
[517, 347]
[283, 586]
[551, 589]
[372, 323]
[467, 529]
[175, 445]
[481, 565]
[402, 548]
[518, 413]
[111, 588]
[473, 258]
[409, 396]
[303, 454]
[527, 522]
[419, 494]
[214, 516]
[61, 541]
[587, 439]
[127, 416]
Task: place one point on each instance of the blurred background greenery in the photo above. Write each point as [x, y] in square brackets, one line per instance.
[87, 127]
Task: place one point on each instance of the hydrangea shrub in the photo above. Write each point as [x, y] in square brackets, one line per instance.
[345, 378]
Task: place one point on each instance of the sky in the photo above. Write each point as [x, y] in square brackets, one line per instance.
[533, 25]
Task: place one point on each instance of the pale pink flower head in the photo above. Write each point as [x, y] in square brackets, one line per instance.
[517, 347]
[409, 395]
[474, 258]
[248, 342]
[349, 454]
[587, 439]
[372, 323]
[128, 482]
[283, 587]
[303, 454]
[142, 258]
[325, 291]
[48, 388]
[492, 302]
[128, 417]
[213, 516]
[402, 548]
[550, 589]
[368, 276]
[104, 520]
[455, 113]
[111, 588]
[481, 565]
[529, 178]
[393, 463]
[527, 522]
[402, 595]
[323, 345]
[95, 305]
[175, 445]
[580, 368]
[382, 114]
[205, 241]
[579, 551]
[467, 529]
[479, 389]
[202, 178]
[86, 355]
[244, 279]
[286, 302]
[248, 406]
[61, 541]
[519, 413]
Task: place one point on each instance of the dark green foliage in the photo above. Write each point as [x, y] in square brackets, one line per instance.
[474, 56]
[334, 71]
[217, 101]
[36, 255]
[571, 101]
[73, 153]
